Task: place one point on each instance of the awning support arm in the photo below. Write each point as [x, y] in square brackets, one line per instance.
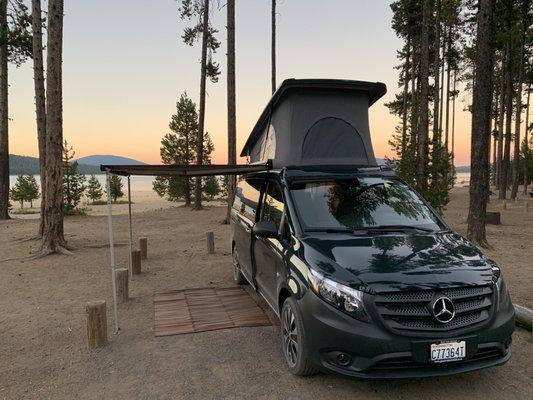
[112, 251]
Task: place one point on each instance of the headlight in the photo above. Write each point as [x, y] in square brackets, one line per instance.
[340, 296]
[502, 296]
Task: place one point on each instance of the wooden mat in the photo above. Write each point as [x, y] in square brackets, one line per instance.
[199, 310]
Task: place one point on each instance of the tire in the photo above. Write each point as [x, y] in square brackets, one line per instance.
[293, 340]
[238, 277]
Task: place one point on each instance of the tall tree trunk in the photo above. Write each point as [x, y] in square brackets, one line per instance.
[424, 99]
[201, 112]
[53, 237]
[232, 119]
[40, 98]
[526, 155]
[453, 115]
[187, 181]
[4, 116]
[504, 174]
[436, 88]
[516, 153]
[405, 95]
[443, 64]
[496, 119]
[481, 118]
[501, 112]
[447, 123]
[273, 48]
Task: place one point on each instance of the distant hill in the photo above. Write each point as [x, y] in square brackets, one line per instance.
[462, 168]
[30, 165]
[98, 160]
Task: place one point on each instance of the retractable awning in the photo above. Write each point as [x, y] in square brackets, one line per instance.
[185, 170]
[159, 170]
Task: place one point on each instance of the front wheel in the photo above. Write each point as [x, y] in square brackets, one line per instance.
[293, 340]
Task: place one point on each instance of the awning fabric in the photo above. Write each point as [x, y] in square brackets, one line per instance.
[184, 170]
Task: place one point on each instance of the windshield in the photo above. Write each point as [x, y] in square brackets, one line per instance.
[362, 203]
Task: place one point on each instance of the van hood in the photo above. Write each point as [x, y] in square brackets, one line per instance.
[397, 262]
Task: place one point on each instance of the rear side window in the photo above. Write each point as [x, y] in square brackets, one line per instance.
[247, 197]
[273, 204]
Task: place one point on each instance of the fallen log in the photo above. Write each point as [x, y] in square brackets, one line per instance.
[523, 317]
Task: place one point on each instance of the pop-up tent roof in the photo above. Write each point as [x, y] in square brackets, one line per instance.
[316, 122]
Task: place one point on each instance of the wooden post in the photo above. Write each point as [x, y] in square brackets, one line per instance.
[96, 324]
[143, 245]
[136, 262]
[210, 242]
[526, 206]
[504, 205]
[122, 280]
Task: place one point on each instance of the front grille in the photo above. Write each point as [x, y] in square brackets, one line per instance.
[411, 311]
[408, 363]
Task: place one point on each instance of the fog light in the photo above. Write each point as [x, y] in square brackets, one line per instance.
[344, 359]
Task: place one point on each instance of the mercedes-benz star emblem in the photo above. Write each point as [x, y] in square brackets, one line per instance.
[443, 310]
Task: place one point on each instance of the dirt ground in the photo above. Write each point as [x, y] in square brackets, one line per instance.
[42, 319]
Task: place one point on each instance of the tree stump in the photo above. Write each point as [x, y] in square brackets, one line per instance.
[122, 281]
[493, 218]
[504, 205]
[143, 245]
[136, 262]
[96, 324]
[526, 206]
[210, 242]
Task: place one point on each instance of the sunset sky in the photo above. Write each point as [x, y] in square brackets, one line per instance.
[125, 66]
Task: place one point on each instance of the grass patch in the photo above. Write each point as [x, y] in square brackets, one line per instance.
[76, 212]
[104, 202]
[25, 211]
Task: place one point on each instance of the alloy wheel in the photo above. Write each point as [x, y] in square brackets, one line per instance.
[290, 337]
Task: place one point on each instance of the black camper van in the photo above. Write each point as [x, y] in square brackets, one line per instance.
[366, 278]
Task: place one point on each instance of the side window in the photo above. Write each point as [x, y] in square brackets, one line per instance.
[273, 207]
[247, 197]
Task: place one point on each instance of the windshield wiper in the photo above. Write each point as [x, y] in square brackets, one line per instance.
[330, 230]
[396, 228]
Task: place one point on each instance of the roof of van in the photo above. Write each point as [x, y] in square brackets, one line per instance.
[374, 91]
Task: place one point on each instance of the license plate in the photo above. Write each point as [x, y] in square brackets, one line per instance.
[448, 351]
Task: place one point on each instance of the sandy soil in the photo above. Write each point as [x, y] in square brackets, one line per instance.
[42, 319]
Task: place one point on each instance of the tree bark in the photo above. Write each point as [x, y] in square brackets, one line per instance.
[273, 49]
[499, 154]
[4, 116]
[481, 123]
[443, 64]
[436, 88]
[405, 95]
[526, 155]
[201, 112]
[453, 115]
[232, 119]
[504, 171]
[448, 79]
[516, 153]
[53, 237]
[424, 100]
[40, 98]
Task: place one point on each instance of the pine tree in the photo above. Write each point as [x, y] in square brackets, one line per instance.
[32, 189]
[73, 185]
[17, 191]
[15, 48]
[116, 187]
[94, 189]
[198, 11]
[178, 147]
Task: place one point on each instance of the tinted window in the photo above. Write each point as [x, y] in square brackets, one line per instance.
[273, 206]
[247, 197]
[359, 203]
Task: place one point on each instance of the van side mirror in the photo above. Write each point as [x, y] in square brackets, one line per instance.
[265, 229]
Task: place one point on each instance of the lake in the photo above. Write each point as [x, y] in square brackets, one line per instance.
[145, 182]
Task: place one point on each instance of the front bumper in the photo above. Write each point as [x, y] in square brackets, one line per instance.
[339, 343]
